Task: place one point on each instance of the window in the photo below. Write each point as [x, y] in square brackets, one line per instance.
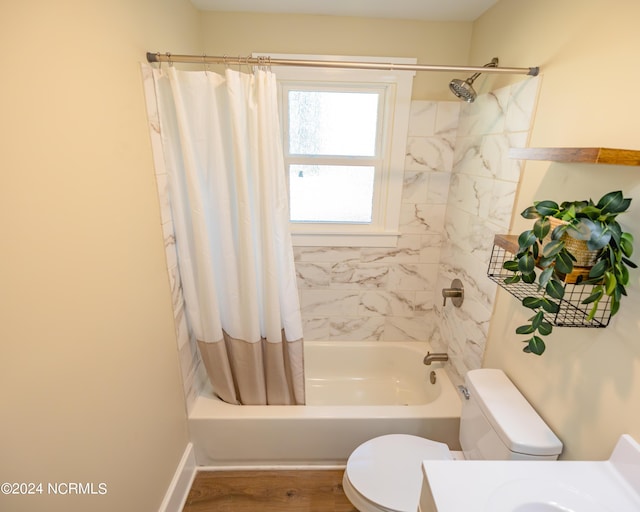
[344, 138]
[332, 153]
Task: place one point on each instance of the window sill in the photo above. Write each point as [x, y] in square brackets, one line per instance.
[386, 239]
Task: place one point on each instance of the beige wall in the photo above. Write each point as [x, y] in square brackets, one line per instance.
[430, 42]
[587, 384]
[89, 382]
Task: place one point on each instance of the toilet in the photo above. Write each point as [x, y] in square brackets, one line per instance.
[497, 423]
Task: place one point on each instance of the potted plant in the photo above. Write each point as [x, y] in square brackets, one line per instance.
[563, 236]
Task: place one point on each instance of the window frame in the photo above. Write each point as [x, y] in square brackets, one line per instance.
[394, 87]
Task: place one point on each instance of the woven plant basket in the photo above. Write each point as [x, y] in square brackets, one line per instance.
[584, 256]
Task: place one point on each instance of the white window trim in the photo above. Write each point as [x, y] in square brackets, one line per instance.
[398, 85]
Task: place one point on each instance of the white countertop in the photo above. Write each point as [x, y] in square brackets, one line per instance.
[532, 486]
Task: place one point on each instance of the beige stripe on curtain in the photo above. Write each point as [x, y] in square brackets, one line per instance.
[255, 373]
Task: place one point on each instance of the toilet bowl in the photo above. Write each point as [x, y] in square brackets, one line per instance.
[497, 423]
[383, 474]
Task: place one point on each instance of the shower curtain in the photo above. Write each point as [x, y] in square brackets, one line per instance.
[227, 189]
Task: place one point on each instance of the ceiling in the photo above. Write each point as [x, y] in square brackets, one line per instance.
[431, 10]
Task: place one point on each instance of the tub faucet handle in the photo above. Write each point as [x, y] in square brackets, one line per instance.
[455, 293]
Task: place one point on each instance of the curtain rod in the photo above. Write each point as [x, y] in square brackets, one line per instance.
[386, 66]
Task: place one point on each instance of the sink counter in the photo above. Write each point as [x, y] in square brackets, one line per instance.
[535, 486]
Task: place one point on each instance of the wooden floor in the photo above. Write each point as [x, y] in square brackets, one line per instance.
[268, 491]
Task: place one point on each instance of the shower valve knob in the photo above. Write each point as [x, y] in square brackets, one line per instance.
[455, 293]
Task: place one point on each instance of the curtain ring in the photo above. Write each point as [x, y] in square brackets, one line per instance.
[204, 62]
[168, 54]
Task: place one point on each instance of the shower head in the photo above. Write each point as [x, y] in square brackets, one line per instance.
[463, 89]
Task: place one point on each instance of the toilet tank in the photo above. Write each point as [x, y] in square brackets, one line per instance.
[497, 422]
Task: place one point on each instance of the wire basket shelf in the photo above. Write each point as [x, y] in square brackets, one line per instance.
[572, 312]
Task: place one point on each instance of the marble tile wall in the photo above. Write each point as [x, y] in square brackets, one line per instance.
[388, 294]
[484, 182]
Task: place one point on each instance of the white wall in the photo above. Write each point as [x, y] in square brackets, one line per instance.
[587, 383]
[89, 378]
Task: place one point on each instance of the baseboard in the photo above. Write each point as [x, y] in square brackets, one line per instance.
[178, 490]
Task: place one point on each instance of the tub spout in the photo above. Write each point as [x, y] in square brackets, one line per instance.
[438, 356]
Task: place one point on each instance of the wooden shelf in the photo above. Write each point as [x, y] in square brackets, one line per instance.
[579, 155]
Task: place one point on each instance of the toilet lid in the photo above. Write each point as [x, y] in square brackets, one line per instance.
[387, 470]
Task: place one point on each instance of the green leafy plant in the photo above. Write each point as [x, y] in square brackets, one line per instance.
[594, 223]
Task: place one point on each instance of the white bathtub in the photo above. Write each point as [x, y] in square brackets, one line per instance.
[355, 391]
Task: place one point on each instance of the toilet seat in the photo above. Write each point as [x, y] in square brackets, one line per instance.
[383, 474]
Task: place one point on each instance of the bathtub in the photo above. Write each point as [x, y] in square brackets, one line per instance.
[355, 391]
